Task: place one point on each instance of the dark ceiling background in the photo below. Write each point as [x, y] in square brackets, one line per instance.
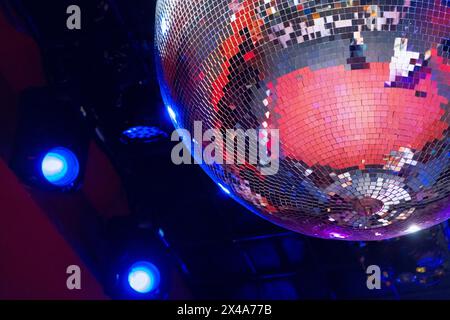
[217, 248]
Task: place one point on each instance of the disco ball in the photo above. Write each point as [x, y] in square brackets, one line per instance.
[359, 93]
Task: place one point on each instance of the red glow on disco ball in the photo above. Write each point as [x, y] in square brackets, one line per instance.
[359, 91]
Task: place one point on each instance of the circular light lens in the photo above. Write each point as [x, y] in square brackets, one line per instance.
[60, 167]
[144, 277]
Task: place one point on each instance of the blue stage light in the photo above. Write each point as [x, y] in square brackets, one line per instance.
[60, 167]
[144, 277]
[142, 134]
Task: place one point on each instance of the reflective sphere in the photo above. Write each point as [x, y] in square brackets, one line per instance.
[359, 91]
